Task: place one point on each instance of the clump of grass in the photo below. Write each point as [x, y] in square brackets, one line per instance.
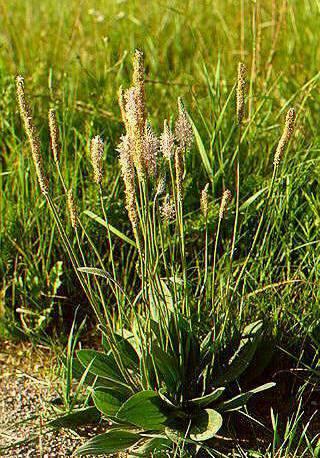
[143, 155]
[164, 313]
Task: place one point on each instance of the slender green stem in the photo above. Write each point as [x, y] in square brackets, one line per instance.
[235, 226]
[214, 266]
[257, 233]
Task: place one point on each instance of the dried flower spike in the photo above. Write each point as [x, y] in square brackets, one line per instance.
[135, 129]
[167, 142]
[96, 150]
[226, 197]
[133, 112]
[127, 170]
[138, 84]
[54, 134]
[138, 68]
[178, 162]
[32, 134]
[286, 136]
[241, 86]
[183, 129]
[167, 210]
[161, 186]
[204, 201]
[151, 149]
[72, 209]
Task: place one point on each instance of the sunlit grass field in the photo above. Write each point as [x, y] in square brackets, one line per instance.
[74, 56]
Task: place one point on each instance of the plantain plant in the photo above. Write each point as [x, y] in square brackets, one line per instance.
[162, 387]
[174, 345]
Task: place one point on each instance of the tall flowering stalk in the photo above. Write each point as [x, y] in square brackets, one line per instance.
[55, 143]
[241, 87]
[184, 138]
[167, 145]
[204, 201]
[226, 197]
[54, 134]
[141, 163]
[73, 214]
[138, 157]
[283, 143]
[128, 175]
[286, 136]
[32, 134]
[240, 113]
[151, 149]
[135, 125]
[96, 151]
[138, 150]
[138, 84]
[35, 147]
[183, 128]
[179, 170]
[204, 207]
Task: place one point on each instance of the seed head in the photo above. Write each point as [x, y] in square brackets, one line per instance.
[161, 186]
[54, 134]
[226, 197]
[127, 170]
[151, 149]
[167, 142]
[178, 162]
[286, 136]
[72, 209]
[183, 129]
[96, 150]
[204, 201]
[167, 210]
[135, 130]
[32, 134]
[138, 68]
[241, 86]
[138, 84]
[131, 108]
[126, 163]
[133, 111]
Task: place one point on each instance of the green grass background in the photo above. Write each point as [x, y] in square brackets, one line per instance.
[74, 55]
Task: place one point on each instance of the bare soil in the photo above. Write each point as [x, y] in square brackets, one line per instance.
[27, 382]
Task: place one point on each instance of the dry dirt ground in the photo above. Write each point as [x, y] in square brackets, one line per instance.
[27, 382]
